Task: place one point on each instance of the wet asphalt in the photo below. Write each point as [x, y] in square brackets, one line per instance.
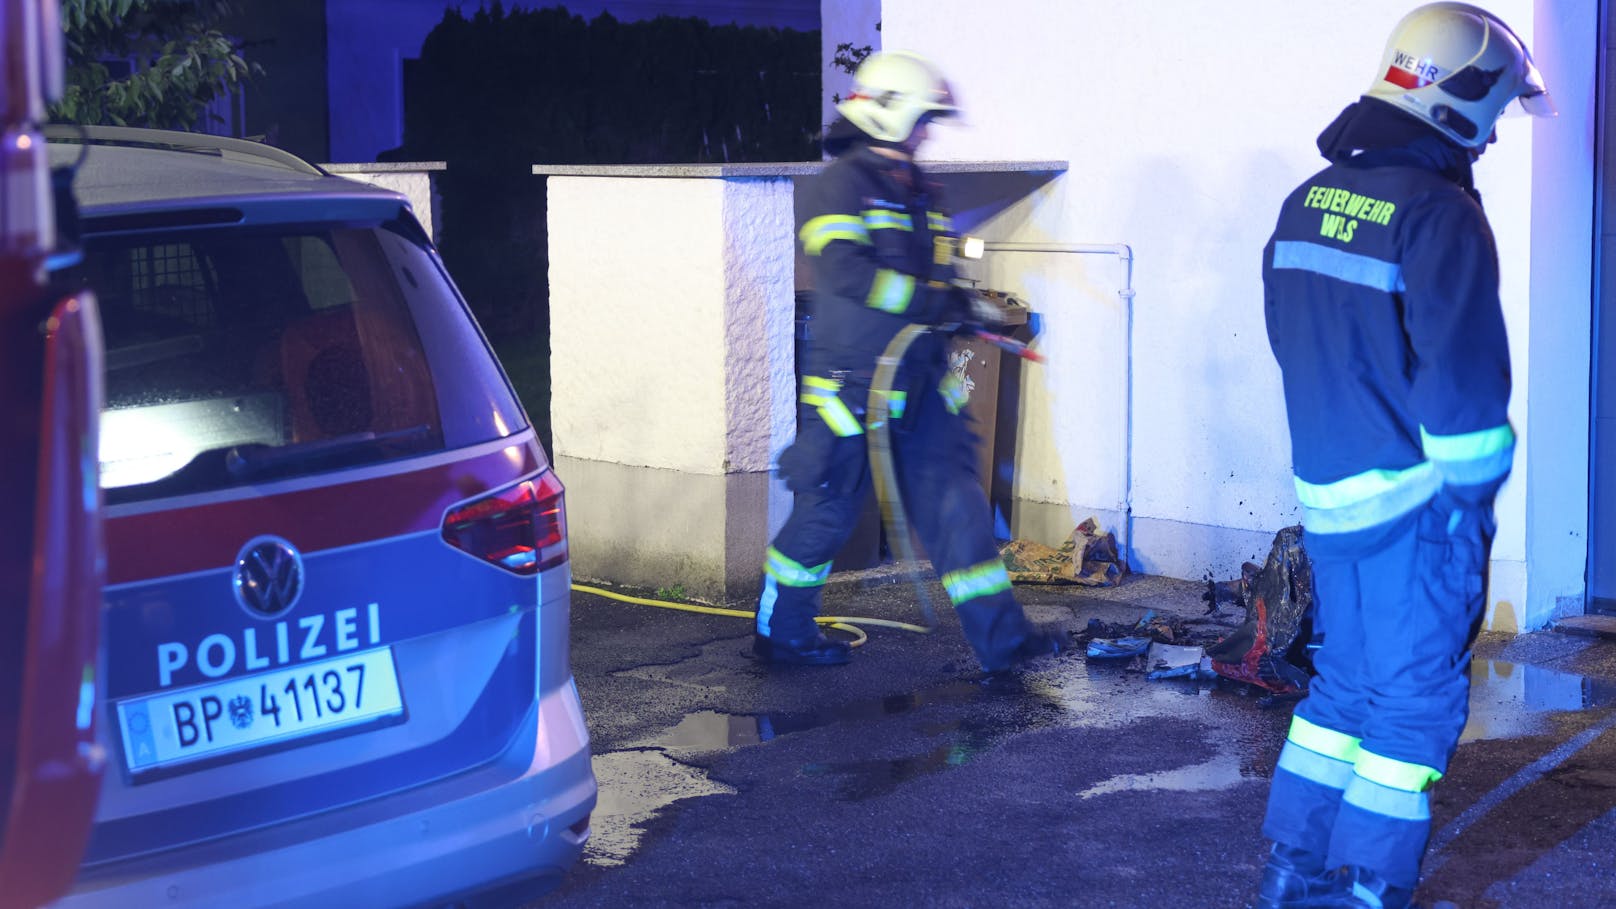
[908, 779]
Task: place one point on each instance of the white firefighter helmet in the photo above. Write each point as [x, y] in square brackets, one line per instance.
[1457, 68]
[892, 91]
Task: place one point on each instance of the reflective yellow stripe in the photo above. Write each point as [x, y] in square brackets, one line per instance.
[891, 291]
[822, 394]
[1472, 457]
[1467, 446]
[792, 573]
[1367, 499]
[1323, 741]
[1395, 774]
[955, 394]
[980, 580]
[939, 222]
[1358, 487]
[886, 219]
[896, 402]
[821, 231]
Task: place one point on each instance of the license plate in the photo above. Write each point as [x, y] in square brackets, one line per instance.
[180, 726]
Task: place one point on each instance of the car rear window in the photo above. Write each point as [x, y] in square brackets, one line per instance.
[238, 355]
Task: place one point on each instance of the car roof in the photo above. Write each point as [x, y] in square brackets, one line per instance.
[134, 170]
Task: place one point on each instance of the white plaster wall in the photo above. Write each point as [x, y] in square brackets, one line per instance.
[843, 21]
[414, 185]
[1185, 124]
[760, 348]
[637, 267]
[670, 305]
[1563, 220]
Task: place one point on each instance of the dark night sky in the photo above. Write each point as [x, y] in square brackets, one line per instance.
[368, 40]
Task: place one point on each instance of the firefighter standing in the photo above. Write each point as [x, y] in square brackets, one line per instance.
[881, 249]
[1381, 292]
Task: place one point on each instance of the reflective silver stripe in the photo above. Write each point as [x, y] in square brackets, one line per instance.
[1310, 765]
[885, 219]
[792, 573]
[891, 291]
[771, 592]
[1412, 491]
[1353, 268]
[896, 402]
[1472, 457]
[1386, 801]
[1480, 470]
[1356, 488]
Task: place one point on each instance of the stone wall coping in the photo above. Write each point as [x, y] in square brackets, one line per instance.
[780, 169]
[386, 167]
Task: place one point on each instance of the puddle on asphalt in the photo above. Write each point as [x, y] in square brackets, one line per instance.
[638, 782]
[644, 778]
[1221, 771]
[1508, 700]
[1513, 700]
[709, 730]
[634, 786]
[856, 781]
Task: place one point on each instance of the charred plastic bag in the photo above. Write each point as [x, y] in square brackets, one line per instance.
[1271, 648]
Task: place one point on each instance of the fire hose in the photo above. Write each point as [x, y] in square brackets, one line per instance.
[883, 470]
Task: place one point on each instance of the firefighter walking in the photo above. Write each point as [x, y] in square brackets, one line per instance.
[881, 248]
[1382, 301]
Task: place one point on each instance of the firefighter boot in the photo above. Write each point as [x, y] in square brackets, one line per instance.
[1362, 888]
[808, 651]
[1039, 641]
[1294, 878]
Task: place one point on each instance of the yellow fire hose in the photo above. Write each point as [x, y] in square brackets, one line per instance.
[848, 624]
[882, 470]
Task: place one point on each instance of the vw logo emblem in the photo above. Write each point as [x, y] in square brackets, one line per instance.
[269, 577]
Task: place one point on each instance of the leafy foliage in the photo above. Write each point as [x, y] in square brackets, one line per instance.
[179, 62]
[848, 57]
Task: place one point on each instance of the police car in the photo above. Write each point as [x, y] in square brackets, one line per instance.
[337, 602]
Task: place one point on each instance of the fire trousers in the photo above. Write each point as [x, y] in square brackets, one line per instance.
[828, 469]
[1383, 717]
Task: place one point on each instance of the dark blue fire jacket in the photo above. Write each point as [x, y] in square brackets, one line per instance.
[881, 249]
[1381, 291]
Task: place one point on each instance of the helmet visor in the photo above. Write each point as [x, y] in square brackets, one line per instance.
[1534, 100]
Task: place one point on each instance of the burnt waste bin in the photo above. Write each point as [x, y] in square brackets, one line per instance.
[992, 380]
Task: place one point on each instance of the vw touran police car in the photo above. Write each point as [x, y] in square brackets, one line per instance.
[336, 618]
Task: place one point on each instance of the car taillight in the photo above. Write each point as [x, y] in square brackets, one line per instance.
[522, 529]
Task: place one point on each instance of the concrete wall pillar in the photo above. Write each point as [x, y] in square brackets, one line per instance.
[412, 178]
[672, 379]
